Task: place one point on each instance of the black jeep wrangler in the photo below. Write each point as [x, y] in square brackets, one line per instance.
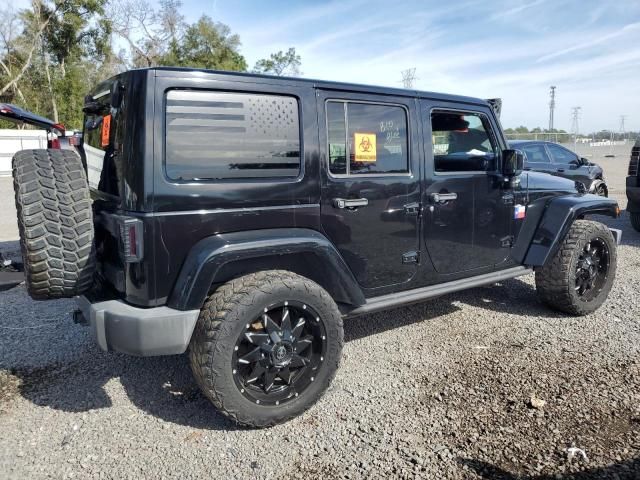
[244, 216]
[633, 186]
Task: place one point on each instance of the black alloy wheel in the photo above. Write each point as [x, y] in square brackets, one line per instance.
[278, 354]
[592, 269]
[266, 346]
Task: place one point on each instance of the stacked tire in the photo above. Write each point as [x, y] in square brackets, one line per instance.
[55, 223]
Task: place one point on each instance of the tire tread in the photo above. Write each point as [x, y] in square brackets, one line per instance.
[55, 223]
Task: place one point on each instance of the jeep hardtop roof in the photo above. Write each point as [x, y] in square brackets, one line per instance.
[322, 84]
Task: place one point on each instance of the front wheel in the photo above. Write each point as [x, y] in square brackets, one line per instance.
[579, 277]
[601, 190]
[266, 346]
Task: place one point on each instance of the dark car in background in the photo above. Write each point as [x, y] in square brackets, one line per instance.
[57, 136]
[633, 186]
[549, 157]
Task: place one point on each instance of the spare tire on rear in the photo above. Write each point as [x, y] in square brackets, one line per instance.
[55, 222]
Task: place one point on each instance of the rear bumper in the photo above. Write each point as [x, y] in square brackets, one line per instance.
[120, 327]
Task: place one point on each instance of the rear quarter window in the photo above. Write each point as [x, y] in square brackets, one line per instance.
[228, 135]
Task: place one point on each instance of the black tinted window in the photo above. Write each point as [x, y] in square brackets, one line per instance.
[561, 155]
[535, 153]
[462, 142]
[218, 135]
[374, 135]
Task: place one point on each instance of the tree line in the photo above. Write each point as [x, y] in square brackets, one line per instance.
[523, 133]
[55, 51]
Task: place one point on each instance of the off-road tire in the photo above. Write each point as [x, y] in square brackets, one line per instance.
[555, 282]
[635, 221]
[223, 318]
[55, 222]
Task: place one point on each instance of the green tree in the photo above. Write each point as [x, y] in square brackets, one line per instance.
[54, 61]
[280, 63]
[206, 44]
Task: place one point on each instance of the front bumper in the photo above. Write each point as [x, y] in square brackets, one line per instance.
[121, 327]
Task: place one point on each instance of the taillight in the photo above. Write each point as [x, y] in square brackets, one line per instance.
[54, 143]
[131, 232]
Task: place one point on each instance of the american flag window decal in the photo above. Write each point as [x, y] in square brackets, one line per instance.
[221, 135]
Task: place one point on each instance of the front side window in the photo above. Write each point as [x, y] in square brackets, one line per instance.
[536, 154]
[225, 135]
[561, 155]
[462, 142]
[367, 139]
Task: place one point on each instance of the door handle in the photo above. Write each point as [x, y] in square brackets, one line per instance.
[561, 170]
[527, 168]
[442, 197]
[350, 202]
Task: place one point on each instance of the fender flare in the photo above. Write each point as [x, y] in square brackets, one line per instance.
[548, 221]
[220, 258]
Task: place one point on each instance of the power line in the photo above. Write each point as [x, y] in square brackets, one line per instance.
[408, 77]
[622, 129]
[552, 106]
[575, 120]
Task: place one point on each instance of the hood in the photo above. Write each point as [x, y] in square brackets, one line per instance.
[546, 183]
[18, 115]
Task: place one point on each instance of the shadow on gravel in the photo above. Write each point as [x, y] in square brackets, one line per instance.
[620, 471]
[367, 325]
[160, 386]
[511, 296]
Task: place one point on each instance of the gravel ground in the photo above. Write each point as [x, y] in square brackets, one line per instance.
[486, 383]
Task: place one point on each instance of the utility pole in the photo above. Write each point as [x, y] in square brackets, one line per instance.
[622, 129]
[575, 124]
[552, 106]
[408, 77]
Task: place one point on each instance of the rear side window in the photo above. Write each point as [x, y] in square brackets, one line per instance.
[462, 142]
[561, 155]
[226, 135]
[536, 154]
[372, 137]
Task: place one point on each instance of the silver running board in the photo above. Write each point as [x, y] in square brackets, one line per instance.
[407, 297]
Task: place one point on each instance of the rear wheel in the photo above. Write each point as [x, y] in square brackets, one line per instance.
[55, 222]
[266, 347]
[579, 277]
[635, 221]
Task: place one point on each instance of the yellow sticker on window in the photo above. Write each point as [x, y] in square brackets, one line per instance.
[365, 144]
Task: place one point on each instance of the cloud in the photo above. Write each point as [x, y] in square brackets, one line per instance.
[591, 43]
[517, 9]
[476, 48]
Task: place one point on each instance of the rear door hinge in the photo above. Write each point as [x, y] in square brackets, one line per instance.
[411, 257]
[507, 242]
[412, 208]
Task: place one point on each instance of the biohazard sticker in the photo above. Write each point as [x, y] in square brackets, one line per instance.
[106, 129]
[365, 144]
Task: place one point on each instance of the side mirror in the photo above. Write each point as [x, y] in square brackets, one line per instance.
[512, 163]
